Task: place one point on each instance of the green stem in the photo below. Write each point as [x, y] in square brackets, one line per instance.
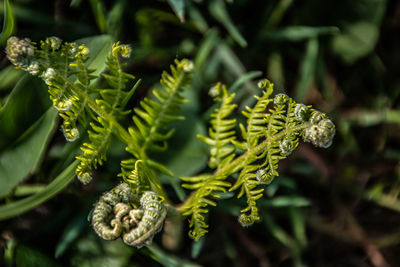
[165, 107]
[240, 161]
[125, 136]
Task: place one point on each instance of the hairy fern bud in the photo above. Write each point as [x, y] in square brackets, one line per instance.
[302, 112]
[21, 52]
[113, 216]
[321, 131]
[280, 99]
[286, 146]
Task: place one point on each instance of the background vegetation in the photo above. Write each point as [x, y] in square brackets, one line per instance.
[329, 207]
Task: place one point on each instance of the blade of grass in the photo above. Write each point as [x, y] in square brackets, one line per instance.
[8, 23]
[20, 206]
[218, 11]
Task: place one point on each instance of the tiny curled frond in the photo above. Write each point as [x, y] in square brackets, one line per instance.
[222, 130]
[118, 213]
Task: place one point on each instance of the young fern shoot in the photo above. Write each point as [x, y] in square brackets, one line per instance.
[270, 135]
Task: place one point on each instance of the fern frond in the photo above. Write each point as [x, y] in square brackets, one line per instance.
[113, 98]
[256, 119]
[153, 117]
[222, 130]
[206, 186]
[94, 153]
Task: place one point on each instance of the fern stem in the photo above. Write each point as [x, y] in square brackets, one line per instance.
[165, 107]
[126, 138]
[240, 161]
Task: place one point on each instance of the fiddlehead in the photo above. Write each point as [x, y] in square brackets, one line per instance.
[119, 213]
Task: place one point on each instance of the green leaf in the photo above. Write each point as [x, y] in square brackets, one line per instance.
[70, 234]
[218, 11]
[98, 12]
[9, 77]
[22, 160]
[298, 33]
[307, 70]
[168, 260]
[357, 40]
[17, 207]
[8, 23]
[178, 6]
[18, 112]
[30, 257]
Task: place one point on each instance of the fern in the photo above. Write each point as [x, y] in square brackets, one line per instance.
[271, 135]
[195, 206]
[152, 118]
[272, 130]
[110, 101]
[222, 130]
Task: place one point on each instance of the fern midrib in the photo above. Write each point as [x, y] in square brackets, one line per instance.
[240, 161]
[119, 89]
[125, 136]
[154, 127]
[64, 87]
[102, 145]
[268, 147]
[218, 132]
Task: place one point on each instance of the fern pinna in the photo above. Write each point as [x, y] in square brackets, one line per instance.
[270, 135]
[137, 208]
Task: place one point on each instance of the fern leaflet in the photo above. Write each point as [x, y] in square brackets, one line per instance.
[222, 130]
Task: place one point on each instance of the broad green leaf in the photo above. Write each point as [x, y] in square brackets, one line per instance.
[27, 102]
[9, 77]
[18, 162]
[20, 206]
[218, 10]
[298, 33]
[8, 23]
[178, 6]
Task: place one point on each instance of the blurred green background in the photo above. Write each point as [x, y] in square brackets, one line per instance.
[329, 207]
